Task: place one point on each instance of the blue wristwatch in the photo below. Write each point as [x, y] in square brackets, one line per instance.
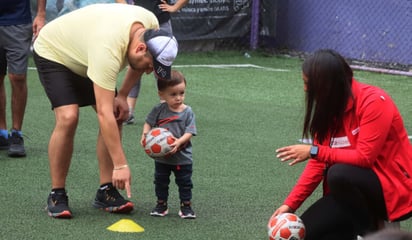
[314, 151]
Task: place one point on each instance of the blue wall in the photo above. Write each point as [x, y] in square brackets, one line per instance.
[371, 30]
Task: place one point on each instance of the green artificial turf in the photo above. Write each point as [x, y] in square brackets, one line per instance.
[243, 114]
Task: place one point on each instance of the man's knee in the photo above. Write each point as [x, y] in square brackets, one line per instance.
[17, 79]
[68, 119]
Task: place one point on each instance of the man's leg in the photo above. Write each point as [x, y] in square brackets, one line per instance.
[61, 143]
[18, 99]
[4, 134]
[4, 142]
[105, 161]
[3, 124]
[60, 154]
[131, 101]
[3, 72]
[18, 47]
[107, 196]
[18, 107]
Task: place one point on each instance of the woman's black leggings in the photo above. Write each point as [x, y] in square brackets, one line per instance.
[353, 207]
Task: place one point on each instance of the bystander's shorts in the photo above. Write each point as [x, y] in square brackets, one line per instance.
[134, 92]
[3, 62]
[15, 44]
[62, 86]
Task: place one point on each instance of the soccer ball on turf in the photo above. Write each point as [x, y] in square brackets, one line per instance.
[157, 142]
[286, 226]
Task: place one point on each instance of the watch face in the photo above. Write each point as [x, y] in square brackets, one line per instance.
[314, 151]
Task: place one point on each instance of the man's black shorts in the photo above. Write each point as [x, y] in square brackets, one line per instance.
[62, 86]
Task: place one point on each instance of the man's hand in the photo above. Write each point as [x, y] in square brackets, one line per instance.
[121, 109]
[121, 179]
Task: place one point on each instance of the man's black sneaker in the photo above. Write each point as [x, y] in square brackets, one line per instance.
[110, 200]
[58, 205]
[4, 143]
[186, 211]
[16, 148]
[160, 210]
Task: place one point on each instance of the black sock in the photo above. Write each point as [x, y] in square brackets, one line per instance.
[58, 190]
[105, 185]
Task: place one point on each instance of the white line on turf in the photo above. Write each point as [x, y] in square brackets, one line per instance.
[223, 66]
[227, 66]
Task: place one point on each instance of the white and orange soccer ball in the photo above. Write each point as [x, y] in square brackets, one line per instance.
[286, 226]
[157, 142]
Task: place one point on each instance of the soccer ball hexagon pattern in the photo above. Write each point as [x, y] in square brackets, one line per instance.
[157, 142]
[286, 226]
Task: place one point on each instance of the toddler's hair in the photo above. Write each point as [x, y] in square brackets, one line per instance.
[176, 78]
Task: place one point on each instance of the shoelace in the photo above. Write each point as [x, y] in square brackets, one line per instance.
[16, 139]
[112, 194]
[161, 205]
[60, 198]
[186, 209]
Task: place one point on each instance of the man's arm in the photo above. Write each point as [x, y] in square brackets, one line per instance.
[40, 18]
[108, 124]
[110, 132]
[130, 79]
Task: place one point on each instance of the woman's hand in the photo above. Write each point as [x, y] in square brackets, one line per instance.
[282, 209]
[297, 153]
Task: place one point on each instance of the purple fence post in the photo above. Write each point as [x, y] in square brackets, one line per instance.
[254, 25]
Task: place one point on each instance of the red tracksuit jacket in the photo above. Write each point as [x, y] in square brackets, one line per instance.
[373, 137]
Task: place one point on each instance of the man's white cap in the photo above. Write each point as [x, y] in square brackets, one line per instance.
[163, 47]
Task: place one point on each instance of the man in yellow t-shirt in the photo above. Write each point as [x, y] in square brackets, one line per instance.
[78, 57]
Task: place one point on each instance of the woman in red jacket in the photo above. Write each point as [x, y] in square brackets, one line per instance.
[361, 153]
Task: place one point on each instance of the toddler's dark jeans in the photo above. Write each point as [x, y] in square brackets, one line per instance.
[183, 179]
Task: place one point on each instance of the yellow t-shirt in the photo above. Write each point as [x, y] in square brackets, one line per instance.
[92, 41]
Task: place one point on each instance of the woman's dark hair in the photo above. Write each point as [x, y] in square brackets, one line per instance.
[328, 90]
[176, 78]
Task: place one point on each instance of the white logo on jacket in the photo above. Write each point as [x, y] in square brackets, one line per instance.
[339, 142]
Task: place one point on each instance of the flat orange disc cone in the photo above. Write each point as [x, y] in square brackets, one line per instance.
[125, 225]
